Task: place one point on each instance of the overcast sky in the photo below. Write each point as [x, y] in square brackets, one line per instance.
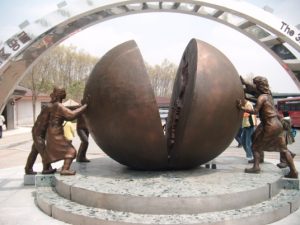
[165, 35]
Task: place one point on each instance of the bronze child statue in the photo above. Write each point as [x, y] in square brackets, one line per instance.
[268, 136]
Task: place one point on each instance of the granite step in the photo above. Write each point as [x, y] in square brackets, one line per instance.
[265, 212]
[104, 183]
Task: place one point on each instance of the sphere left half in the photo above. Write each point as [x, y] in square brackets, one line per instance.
[122, 113]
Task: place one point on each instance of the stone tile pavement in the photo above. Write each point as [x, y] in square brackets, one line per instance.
[15, 137]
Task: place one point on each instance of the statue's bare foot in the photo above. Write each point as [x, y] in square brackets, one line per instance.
[291, 174]
[252, 170]
[83, 160]
[67, 172]
[30, 172]
[49, 171]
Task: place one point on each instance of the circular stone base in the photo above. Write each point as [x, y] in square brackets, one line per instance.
[104, 183]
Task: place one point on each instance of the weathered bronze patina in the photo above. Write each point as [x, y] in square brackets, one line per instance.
[83, 134]
[122, 116]
[203, 119]
[39, 140]
[58, 147]
[269, 135]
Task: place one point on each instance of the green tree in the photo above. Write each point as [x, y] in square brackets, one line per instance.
[76, 89]
[62, 66]
[162, 77]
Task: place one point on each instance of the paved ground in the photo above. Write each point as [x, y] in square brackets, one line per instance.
[17, 202]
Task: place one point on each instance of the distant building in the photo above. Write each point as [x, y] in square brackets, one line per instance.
[163, 104]
[19, 111]
[70, 103]
[24, 109]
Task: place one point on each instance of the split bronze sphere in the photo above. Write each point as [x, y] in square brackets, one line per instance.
[203, 119]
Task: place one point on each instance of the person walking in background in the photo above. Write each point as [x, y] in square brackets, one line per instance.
[164, 126]
[249, 121]
[69, 131]
[238, 137]
[2, 120]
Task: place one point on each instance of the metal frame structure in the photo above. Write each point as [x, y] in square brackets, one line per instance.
[21, 51]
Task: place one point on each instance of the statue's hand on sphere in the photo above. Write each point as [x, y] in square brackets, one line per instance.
[86, 99]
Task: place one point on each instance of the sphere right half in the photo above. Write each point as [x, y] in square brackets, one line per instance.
[203, 118]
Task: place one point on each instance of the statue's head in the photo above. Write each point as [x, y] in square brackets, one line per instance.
[58, 94]
[262, 84]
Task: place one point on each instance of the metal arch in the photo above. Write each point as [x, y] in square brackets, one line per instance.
[22, 50]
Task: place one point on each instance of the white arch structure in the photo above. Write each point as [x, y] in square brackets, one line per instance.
[19, 52]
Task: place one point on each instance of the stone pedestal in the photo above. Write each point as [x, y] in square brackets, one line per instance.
[29, 179]
[290, 183]
[40, 180]
[105, 192]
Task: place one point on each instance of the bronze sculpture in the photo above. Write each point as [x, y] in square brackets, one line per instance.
[289, 139]
[38, 135]
[268, 136]
[123, 117]
[58, 147]
[83, 134]
[203, 95]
